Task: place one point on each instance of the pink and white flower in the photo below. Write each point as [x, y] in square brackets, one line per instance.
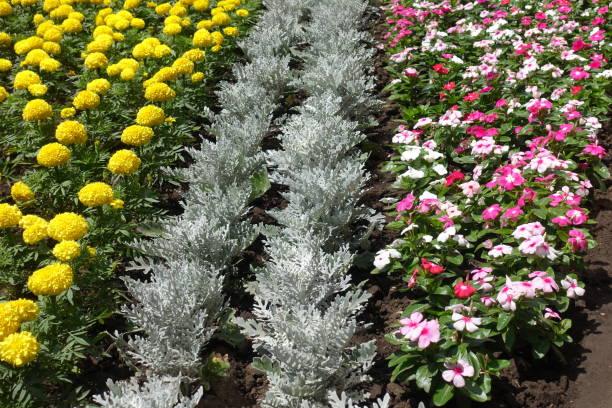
[455, 372]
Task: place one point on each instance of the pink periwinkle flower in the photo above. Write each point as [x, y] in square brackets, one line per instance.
[411, 326]
[572, 288]
[406, 203]
[467, 323]
[500, 250]
[577, 240]
[512, 213]
[578, 73]
[551, 314]
[429, 333]
[455, 372]
[594, 150]
[487, 301]
[491, 212]
[577, 216]
[528, 230]
[537, 245]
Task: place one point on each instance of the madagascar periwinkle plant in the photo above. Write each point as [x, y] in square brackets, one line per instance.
[498, 157]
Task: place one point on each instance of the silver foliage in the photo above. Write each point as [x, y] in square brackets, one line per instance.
[157, 392]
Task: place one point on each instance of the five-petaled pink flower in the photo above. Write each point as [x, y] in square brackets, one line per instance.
[463, 322]
[455, 372]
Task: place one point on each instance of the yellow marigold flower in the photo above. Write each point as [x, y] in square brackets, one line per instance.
[202, 38]
[5, 39]
[51, 280]
[53, 35]
[21, 192]
[170, 120]
[67, 226]
[178, 10]
[159, 92]
[200, 5]
[70, 132]
[150, 115]
[35, 233]
[163, 8]
[9, 320]
[50, 64]
[197, 77]
[43, 27]
[151, 4]
[137, 135]
[217, 37]
[37, 109]
[34, 57]
[28, 44]
[220, 19]
[242, 13]
[183, 66]
[18, 349]
[124, 162]
[86, 100]
[77, 16]
[161, 51]
[71, 25]
[38, 19]
[230, 31]
[172, 29]
[141, 51]
[164, 74]
[96, 60]
[5, 65]
[194, 55]
[172, 20]
[37, 90]
[185, 22]
[117, 204]
[9, 215]
[53, 49]
[96, 194]
[122, 24]
[129, 63]
[24, 309]
[5, 9]
[53, 154]
[29, 220]
[67, 113]
[102, 30]
[66, 251]
[23, 79]
[99, 86]
[127, 74]
[113, 70]
[215, 48]
[92, 251]
[138, 23]
[130, 4]
[3, 94]
[204, 24]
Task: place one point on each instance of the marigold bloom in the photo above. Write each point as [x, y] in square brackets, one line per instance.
[21, 192]
[51, 280]
[86, 100]
[50, 65]
[67, 113]
[99, 86]
[53, 154]
[9, 215]
[202, 38]
[37, 109]
[242, 13]
[159, 92]
[34, 57]
[37, 90]
[172, 29]
[96, 194]
[117, 204]
[5, 65]
[70, 132]
[96, 60]
[9, 320]
[29, 220]
[3, 94]
[24, 309]
[35, 233]
[66, 251]
[183, 66]
[150, 115]
[194, 55]
[136, 135]
[197, 77]
[127, 74]
[230, 31]
[67, 226]
[25, 78]
[124, 162]
[18, 349]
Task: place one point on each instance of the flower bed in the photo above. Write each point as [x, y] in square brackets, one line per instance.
[498, 161]
[96, 98]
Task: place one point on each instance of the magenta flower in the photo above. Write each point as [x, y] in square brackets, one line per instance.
[578, 240]
[406, 203]
[578, 73]
[513, 213]
[491, 212]
[456, 371]
[488, 301]
[594, 150]
[577, 216]
[561, 221]
[551, 314]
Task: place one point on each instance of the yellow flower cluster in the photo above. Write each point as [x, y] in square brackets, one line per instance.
[53, 154]
[9, 215]
[51, 280]
[124, 162]
[21, 192]
[70, 132]
[20, 348]
[67, 227]
[96, 194]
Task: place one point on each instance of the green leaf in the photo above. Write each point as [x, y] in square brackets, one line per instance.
[496, 366]
[424, 375]
[443, 395]
[260, 183]
[456, 259]
[602, 170]
[503, 319]
[415, 307]
[475, 391]
[540, 349]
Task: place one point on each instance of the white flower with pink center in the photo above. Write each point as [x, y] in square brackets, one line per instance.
[572, 288]
[455, 372]
[467, 323]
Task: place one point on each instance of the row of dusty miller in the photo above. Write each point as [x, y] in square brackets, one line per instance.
[179, 308]
[305, 306]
